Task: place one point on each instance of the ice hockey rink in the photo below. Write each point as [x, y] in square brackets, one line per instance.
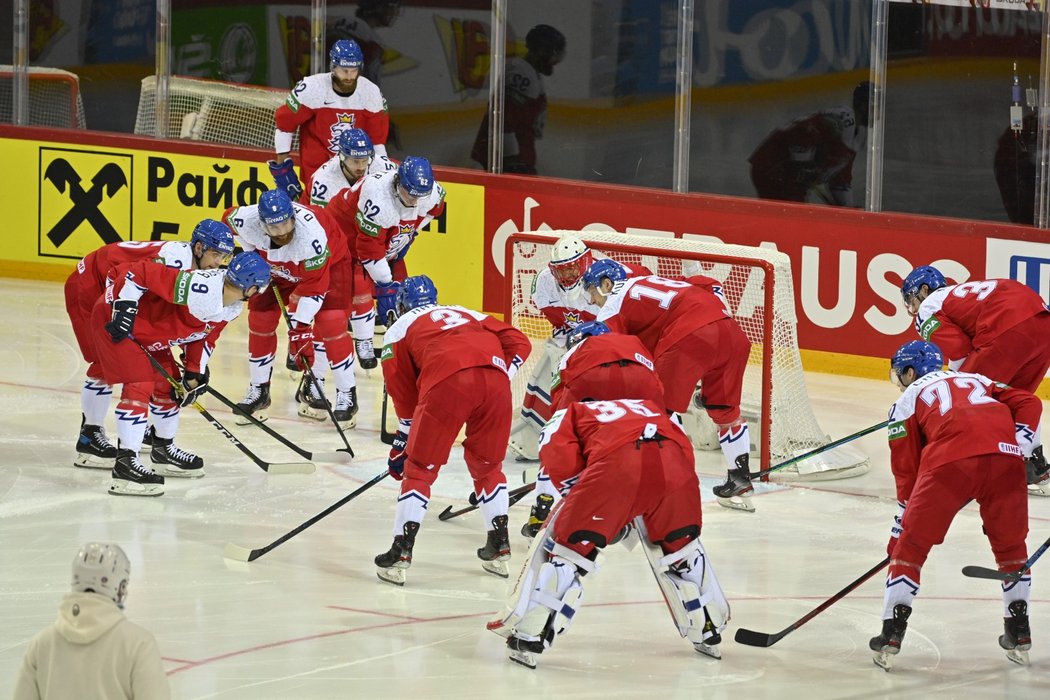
[311, 620]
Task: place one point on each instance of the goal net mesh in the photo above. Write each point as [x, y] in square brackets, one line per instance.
[766, 315]
[54, 97]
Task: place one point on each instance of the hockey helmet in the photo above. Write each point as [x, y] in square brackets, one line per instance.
[415, 176]
[346, 53]
[602, 269]
[923, 275]
[920, 355]
[585, 330]
[248, 270]
[275, 207]
[570, 258]
[354, 143]
[415, 292]
[546, 47]
[103, 569]
[213, 235]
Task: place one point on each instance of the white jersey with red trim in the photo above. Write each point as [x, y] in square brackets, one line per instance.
[329, 180]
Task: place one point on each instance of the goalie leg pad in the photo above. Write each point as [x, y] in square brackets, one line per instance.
[690, 588]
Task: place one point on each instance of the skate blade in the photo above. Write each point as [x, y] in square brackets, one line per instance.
[884, 660]
[1018, 656]
[307, 411]
[707, 650]
[258, 415]
[496, 567]
[167, 470]
[736, 503]
[394, 575]
[120, 488]
[92, 462]
[1042, 489]
[525, 658]
[347, 424]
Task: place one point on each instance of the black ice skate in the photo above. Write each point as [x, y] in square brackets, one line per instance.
[94, 450]
[888, 644]
[1038, 472]
[496, 552]
[346, 408]
[394, 562]
[366, 353]
[523, 651]
[538, 515]
[736, 492]
[256, 401]
[172, 460]
[311, 404]
[132, 478]
[1017, 636]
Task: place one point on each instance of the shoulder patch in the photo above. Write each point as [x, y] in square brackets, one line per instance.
[388, 353]
[897, 430]
[366, 225]
[182, 288]
[929, 327]
[317, 262]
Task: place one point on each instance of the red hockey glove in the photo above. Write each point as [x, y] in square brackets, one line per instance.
[395, 463]
[301, 341]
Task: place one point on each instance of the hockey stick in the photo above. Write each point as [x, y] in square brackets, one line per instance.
[308, 372]
[385, 437]
[268, 467]
[514, 496]
[1008, 576]
[238, 553]
[762, 639]
[822, 448]
[337, 457]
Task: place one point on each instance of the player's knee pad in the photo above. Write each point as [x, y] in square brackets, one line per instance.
[689, 585]
[264, 321]
[136, 392]
[418, 472]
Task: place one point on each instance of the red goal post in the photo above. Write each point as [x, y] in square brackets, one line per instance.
[758, 286]
[54, 97]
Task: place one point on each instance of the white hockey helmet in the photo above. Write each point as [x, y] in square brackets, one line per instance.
[569, 260]
[103, 569]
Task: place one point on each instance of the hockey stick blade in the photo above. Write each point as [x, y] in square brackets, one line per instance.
[992, 574]
[290, 468]
[337, 457]
[823, 448]
[757, 639]
[238, 553]
[514, 496]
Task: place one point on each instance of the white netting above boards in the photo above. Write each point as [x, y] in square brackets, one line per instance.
[758, 286]
[54, 97]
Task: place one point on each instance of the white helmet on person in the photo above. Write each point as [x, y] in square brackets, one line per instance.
[570, 258]
[103, 569]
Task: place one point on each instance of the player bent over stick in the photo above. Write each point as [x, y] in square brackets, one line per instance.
[446, 367]
[954, 438]
[621, 462]
[210, 246]
[160, 307]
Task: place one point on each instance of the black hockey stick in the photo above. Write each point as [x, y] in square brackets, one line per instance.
[823, 448]
[340, 456]
[309, 373]
[762, 639]
[514, 496]
[1008, 576]
[268, 467]
[385, 437]
[238, 553]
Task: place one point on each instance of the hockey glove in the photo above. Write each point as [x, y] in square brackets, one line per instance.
[285, 179]
[194, 385]
[124, 312]
[386, 299]
[395, 463]
[301, 341]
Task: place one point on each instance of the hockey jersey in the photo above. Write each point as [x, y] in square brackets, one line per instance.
[329, 180]
[599, 350]
[321, 115]
[943, 417]
[101, 263]
[430, 343]
[582, 433]
[661, 311]
[176, 307]
[961, 317]
[567, 308]
[524, 119]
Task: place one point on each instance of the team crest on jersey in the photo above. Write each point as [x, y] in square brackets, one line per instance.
[343, 122]
[897, 430]
[928, 328]
[573, 318]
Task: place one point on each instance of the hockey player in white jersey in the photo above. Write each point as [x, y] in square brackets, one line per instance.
[356, 159]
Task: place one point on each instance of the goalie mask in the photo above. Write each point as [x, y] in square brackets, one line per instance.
[919, 355]
[103, 569]
[569, 260]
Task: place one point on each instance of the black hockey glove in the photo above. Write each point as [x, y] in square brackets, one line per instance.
[190, 393]
[124, 312]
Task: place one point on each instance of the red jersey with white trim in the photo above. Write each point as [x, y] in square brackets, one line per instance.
[376, 224]
[598, 350]
[101, 263]
[961, 317]
[430, 343]
[661, 311]
[321, 115]
[943, 417]
[585, 432]
[175, 307]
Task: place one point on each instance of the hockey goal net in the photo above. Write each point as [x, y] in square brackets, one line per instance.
[213, 111]
[758, 287]
[54, 97]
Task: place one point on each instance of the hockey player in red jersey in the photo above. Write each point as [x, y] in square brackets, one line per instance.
[156, 307]
[320, 107]
[446, 367]
[954, 437]
[620, 462]
[694, 340]
[312, 273]
[999, 328]
[210, 246]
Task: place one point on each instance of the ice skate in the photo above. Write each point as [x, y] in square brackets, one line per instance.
[524, 652]
[366, 353]
[94, 450]
[132, 478]
[888, 643]
[496, 552]
[709, 647]
[1017, 636]
[256, 401]
[346, 408]
[736, 492]
[395, 562]
[1038, 473]
[538, 515]
[173, 461]
[311, 405]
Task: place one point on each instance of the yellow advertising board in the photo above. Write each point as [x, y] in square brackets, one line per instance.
[78, 197]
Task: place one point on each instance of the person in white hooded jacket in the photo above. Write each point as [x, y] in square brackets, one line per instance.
[92, 650]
